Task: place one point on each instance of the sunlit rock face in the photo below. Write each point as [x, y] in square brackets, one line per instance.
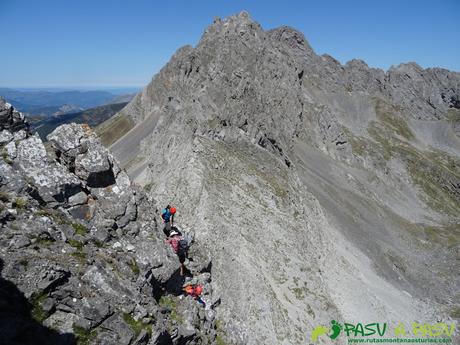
[322, 191]
[82, 258]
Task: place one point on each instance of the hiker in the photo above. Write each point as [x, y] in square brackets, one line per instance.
[194, 291]
[179, 245]
[167, 215]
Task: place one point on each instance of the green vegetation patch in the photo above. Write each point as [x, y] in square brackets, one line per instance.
[44, 241]
[358, 145]
[167, 301]
[389, 131]
[5, 157]
[136, 326]
[19, 203]
[81, 256]
[220, 334]
[379, 150]
[220, 340]
[455, 313]
[444, 235]
[57, 216]
[435, 178]
[170, 302]
[43, 213]
[37, 312]
[453, 115]
[114, 128]
[5, 197]
[298, 292]
[80, 229]
[98, 243]
[385, 144]
[391, 117]
[436, 173]
[148, 187]
[76, 244]
[84, 336]
[134, 267]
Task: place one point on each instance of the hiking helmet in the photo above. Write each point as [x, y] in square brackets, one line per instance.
[172, 210]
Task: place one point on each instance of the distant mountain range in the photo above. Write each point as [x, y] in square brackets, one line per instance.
[93, 117]
[54, 110]
[57, 102]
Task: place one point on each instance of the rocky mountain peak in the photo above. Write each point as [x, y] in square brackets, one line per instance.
[332, 169]
[293, 39]
[320, 191]
[408, 67]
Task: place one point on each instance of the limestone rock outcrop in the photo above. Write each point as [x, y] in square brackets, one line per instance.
[82, 258]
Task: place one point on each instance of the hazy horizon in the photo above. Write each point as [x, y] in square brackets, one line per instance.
[113, 44]
[118, 89]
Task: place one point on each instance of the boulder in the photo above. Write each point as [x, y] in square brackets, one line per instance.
[80, 150]
[12, 120]
[54, 183]
[11, 150]
[5, 137]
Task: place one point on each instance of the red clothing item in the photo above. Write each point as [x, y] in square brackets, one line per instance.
[194, 291]
[174, 242]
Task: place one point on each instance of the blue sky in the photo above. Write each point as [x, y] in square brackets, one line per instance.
[124, 43]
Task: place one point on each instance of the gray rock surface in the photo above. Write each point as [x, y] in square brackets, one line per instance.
[322, 191]
[10, 119]
[82, 259]
[314, 190]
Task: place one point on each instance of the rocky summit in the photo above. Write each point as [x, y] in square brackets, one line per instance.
[323, 191]
[315, 191]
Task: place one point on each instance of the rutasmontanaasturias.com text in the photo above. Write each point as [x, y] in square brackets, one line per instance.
[399, 340]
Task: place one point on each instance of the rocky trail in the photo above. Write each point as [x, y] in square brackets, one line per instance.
[83, 259]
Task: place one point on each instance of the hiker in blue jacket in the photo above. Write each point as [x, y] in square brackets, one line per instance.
[167, 215]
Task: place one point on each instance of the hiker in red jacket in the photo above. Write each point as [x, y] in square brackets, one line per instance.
[179, 246]
[194, 291]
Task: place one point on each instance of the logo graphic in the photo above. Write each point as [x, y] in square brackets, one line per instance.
[323, 330]
[318, 331]
[336, 328]
[381, 332]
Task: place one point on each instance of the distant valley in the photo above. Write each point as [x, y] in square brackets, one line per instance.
[93, 117]
[47, 109]
[57, 102]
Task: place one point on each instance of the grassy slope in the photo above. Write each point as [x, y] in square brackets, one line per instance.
[434, 172]
[114, 128]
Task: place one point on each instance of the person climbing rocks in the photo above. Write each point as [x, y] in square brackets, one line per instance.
[167, 215]
[179, 245]
[195, 291]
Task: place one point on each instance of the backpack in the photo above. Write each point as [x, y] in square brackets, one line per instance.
[182, 246]
[166, 215]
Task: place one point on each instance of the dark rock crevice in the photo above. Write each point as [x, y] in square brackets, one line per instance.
[17, 325]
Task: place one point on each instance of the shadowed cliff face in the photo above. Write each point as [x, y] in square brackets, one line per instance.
[17, 323]
[323, 191]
